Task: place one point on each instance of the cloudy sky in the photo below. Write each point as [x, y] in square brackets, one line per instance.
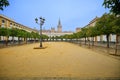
[72, 13]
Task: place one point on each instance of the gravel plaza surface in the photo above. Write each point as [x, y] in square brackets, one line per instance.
[59, 59]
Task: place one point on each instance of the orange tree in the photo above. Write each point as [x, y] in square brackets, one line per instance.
[116, 27]
[5, 32]
[104, 26]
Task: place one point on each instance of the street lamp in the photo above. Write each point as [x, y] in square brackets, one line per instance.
[41, 23]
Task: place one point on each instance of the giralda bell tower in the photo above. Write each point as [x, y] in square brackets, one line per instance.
[59, 27]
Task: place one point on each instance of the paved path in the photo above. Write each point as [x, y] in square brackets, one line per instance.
[59, 59]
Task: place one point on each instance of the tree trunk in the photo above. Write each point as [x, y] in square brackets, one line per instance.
[107, 36]
[18, 40]
[6, 41]
[89, 43]
[13, 39]
[85, 40]
[61, 39]
[92, 41]
[80, 42]
[34, 40]
[26, 40]
[116, 44]
[56, 39]
[77, 41]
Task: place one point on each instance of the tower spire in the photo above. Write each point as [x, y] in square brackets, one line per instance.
[59, 26]
[59, 23]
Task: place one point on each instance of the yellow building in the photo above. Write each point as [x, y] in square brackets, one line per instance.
[78, 29]
[92, 22]
[100, 38]
[7, 22]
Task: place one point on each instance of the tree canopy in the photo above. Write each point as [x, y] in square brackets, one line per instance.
[4, 3]
[113, 5]
[104, 24]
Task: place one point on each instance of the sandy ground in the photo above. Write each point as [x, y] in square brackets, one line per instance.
[59, 59]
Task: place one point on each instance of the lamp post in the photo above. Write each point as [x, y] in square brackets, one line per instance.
[41, 23]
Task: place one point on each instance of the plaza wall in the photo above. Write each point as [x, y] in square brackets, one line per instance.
[7, 22]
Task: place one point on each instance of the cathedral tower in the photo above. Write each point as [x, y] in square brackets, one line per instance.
[59, 27]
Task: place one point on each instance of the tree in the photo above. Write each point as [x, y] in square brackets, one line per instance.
[52, 38]
[45, 37]
[104, 25]
[4, 3]
[116, 24]
[61, 37]
[20, 34]
[65, 37]
[7, 35]
[29, 35]
[34, 35]
[5, 32]
[116, 27]
[26, 36]
[84, 33]
[92, 32]
[2, 31]
[114, 6]
[71, 37]
[13, 33]
[76, 35]
[80, 35]
[56, 37]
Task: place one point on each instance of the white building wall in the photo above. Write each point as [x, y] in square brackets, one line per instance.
[56, 34]
[104, 38]
[83, 39]
[15, 38]
[10, 38]
[98, 38]
[113, 37]
[2, 38]
[90, 38]
[2, 25]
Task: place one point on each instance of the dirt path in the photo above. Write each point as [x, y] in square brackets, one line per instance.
[59, 59]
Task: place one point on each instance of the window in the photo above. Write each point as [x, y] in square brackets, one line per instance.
[3, 21]
[10, 23]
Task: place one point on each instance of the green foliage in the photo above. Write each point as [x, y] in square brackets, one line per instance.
[45, 36]
[21, 33]
[14, 32]
[75, 35]
[83, 33]
[61, 37]
[91, 31]
[4, 3]
[34, 35]
[113, 5]
[104, 24]
[4, 32]
[116, 26]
